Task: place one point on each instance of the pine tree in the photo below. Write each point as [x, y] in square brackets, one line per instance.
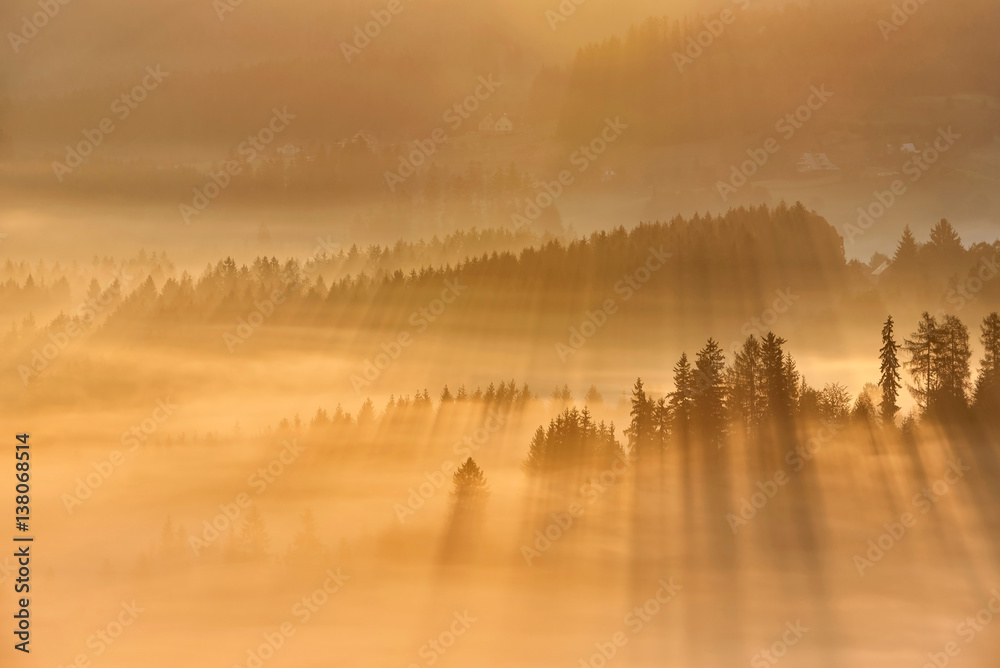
[945, 239]
[307, 553]
[792, 382]
[642, 430]
[953, 356]
[773, 367]
[890, 380]
[662, 419]
[922, 365]
[748, 398]
[710, 392]
[470, 491]
[593, 397]
[987, 393]
[536, 452]
[864, 407]
[681, 401]
[252, 542]
[906, 250]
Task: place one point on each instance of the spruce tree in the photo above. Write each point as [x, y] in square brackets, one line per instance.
[773, 366]
[681, 401]
[890, 380]
[922, 365]
[710, 392]
[906, 249]
[987, 392]
[642, 430]
[953, 356]
[748, 399]
[470, 491]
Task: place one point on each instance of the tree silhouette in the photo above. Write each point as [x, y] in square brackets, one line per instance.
[641, 431]
[748, 397]
[890, 380]
[251, 541]
[710, 393]
[470, 491]
[681, 404]
[987, 392]
[307, 554]
[922, 348]
[953, 355]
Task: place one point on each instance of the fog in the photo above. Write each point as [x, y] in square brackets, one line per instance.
[503, 334]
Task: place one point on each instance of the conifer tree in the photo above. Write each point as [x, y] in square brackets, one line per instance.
[470, 491]
[922, 365]
[906, 249]
[710, 392]
[889, 383]
[953, 356]
[773, 368]
[681, 403]
[642, 430]
[748, 399]
[987, 392]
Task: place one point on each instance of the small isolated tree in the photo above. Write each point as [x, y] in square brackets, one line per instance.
[889, 383]
[470, 491]
[593, 397]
